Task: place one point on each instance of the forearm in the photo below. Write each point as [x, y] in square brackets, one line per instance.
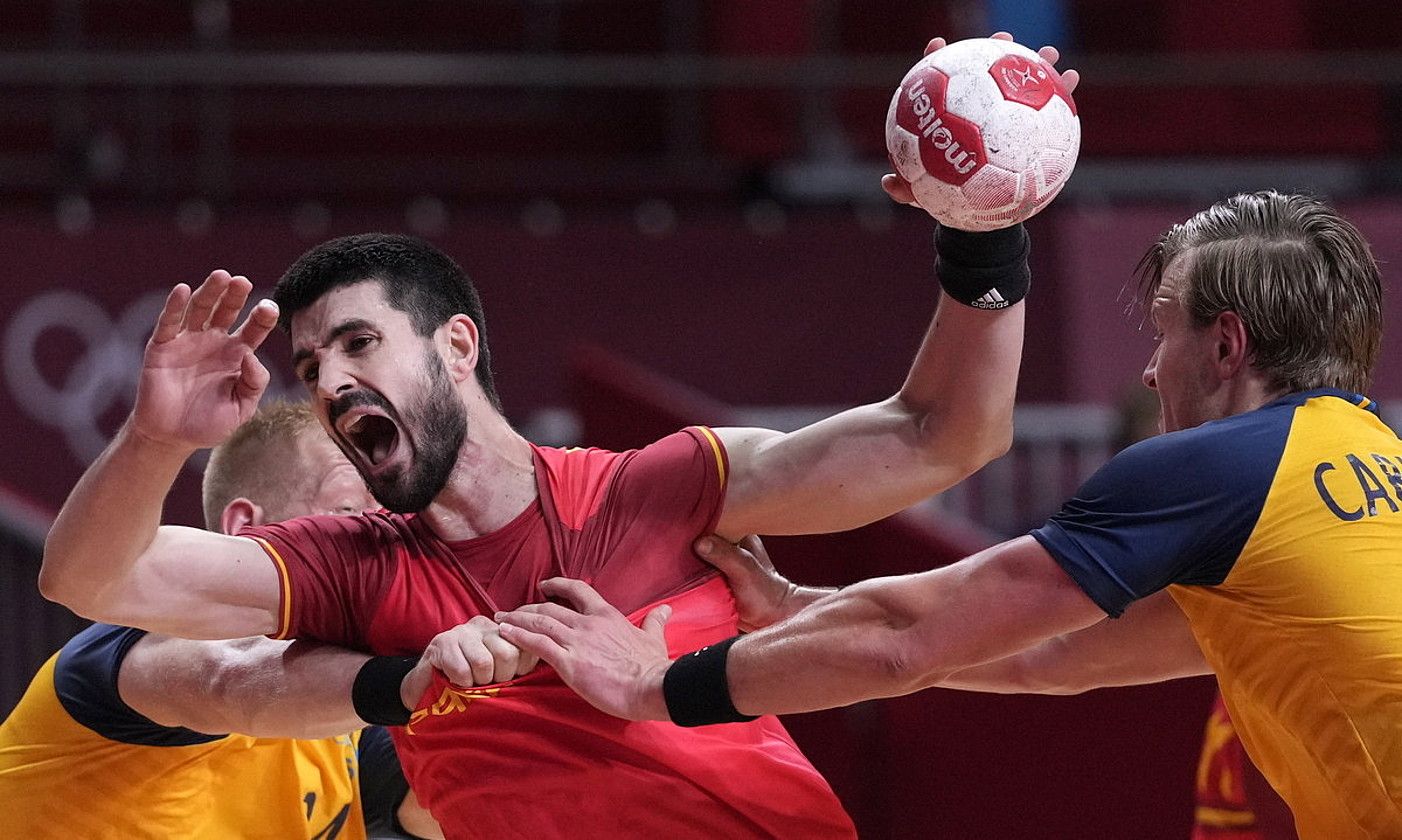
[797, 599]
[1033, 671]
[304, 694]
[1150, 643]
[276, 690]
[891, 636]
[109, 519]
[856, 644]
[961, 387]
[963, 380]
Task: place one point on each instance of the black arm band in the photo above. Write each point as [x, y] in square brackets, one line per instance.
[376, 691]
[984, 270]
[696, 691]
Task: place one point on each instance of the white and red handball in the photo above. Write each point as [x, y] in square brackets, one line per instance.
[985, 131]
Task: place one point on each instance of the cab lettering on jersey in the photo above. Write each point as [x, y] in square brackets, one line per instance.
[1378, 478]
[451, 701]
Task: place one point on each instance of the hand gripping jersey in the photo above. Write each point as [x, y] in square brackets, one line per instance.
[528, 758]
[1279, 534]
[77, 762]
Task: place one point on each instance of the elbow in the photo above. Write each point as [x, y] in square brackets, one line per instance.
[58, 585]
[971, 451]
[906, 655]
[964, 441]
[985, 446]
[81, 597]
[906, 666]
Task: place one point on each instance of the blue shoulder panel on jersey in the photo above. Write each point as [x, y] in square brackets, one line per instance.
[1177, 508]
[85, 679]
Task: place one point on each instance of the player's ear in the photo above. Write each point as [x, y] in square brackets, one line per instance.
[460, 341]
[1233, 345]
[239, 514]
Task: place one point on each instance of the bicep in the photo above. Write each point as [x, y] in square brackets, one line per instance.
[839, 473]
[195, 583]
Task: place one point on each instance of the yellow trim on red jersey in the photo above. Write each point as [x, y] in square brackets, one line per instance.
[716, 450]
[1206, 815]
[285, 588]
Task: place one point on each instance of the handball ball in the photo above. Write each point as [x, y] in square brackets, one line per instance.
[985, 132]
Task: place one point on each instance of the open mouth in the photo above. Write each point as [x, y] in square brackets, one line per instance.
[374, 436]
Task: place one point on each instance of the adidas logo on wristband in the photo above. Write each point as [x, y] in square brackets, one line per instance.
[990, 300]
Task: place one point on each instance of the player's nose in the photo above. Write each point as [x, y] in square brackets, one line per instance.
[333, 379]
[1150, 375]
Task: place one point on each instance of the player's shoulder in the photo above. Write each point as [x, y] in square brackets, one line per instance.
[86, 675]
[368, 528]
[1245, 448]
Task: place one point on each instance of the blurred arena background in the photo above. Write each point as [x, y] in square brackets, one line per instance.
[672, 210]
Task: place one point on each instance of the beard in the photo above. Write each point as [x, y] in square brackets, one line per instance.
[436, 426]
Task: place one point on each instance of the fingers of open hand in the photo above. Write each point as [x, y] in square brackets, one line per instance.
[935, 44]
[1069, 78]
[577, 592]
[259, 323]
[545, 619]
[253, 377]
[752, 545]
[898, 189]
[558, 613]
[656, 621]
[168, 323]
[230, 304]
[205, 299]
[529, 641]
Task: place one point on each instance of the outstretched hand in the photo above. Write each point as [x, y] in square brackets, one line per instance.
[199, 381]
[608, 661]
[897, 187]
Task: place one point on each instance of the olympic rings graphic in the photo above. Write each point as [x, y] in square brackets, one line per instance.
[104, 375]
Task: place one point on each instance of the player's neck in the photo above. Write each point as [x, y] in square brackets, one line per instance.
[1248, 392]
[491, 483]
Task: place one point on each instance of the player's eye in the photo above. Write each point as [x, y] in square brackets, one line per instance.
[308, 374]
[358, 343]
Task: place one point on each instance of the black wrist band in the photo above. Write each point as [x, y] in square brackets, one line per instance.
[696, 691]
[376, 694]
[984, 270]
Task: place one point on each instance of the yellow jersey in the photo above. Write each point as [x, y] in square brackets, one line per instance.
[1279, 534]
[77, 762]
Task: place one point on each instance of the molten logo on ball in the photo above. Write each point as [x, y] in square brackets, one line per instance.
[985, 132]
[950, 146]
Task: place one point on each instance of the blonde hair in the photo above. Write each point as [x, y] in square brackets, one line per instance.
[253, 463]
[1301, 277]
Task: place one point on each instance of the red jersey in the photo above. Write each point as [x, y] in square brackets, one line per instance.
[529, 758]
[1222, 811]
